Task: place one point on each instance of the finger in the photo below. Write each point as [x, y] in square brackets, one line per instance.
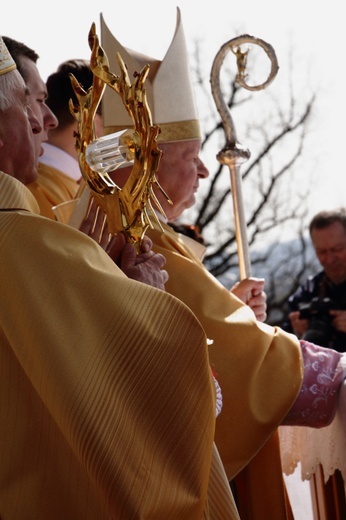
[259, 301]
[128, 257]
[255, 283]
[94, 222]
[165, 276]
[336, 313]
[115, 247]
[162, 279]
[261, 316]
[158, 260]
[144, 257]
[154, 259]
[260, 293]
[146, 244]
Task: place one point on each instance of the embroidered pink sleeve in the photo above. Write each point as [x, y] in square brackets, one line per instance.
[324, 371]
[218, 397]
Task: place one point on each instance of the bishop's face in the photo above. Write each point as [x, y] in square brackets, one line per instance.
[179, 173]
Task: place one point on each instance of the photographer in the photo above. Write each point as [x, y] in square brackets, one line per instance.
[319, 305]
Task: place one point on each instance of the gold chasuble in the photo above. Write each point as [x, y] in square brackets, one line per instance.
[51, 188]
[259, 369]
[107, 401]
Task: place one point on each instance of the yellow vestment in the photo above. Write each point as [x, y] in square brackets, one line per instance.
[52, 187]
[107, 402]
[259, 369]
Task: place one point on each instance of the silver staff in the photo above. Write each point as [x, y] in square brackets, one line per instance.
[233, 153]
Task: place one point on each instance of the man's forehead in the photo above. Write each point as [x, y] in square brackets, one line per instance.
[333, 235]
[32, 76]
[333, 227]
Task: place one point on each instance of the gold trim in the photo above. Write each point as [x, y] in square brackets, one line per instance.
[8, 69]
[7, 63]
[180, 131]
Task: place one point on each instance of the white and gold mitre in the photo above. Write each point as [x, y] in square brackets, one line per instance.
[6, 61]
[169, 88]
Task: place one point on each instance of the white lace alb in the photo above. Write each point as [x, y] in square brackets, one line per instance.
[314, 446]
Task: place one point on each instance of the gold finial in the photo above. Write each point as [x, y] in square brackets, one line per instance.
[126, 209]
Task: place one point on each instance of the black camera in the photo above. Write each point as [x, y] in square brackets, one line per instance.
[317, 312]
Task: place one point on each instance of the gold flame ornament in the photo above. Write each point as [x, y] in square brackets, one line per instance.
[126, 209]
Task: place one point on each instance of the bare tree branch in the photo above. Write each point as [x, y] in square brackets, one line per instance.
[274, 199]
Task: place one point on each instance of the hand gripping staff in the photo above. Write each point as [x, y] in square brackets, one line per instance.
[234, 154]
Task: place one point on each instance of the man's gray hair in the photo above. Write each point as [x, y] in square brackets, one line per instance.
[9, 84]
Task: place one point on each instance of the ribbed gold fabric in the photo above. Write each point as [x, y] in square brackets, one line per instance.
[51, 188]
[258, 367]
[221, 502]
[260, 488]
[107, 404]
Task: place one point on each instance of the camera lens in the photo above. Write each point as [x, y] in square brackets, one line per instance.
[318, 333]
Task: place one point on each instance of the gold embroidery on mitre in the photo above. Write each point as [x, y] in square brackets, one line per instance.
[6, 61]
[179, 131]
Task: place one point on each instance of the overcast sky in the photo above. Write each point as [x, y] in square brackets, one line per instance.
[59, 30]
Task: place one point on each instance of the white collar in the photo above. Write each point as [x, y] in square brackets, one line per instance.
[60, 160]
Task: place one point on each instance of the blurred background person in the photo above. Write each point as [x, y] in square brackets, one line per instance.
[59, 174]
[26, 62]
[318, 307]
